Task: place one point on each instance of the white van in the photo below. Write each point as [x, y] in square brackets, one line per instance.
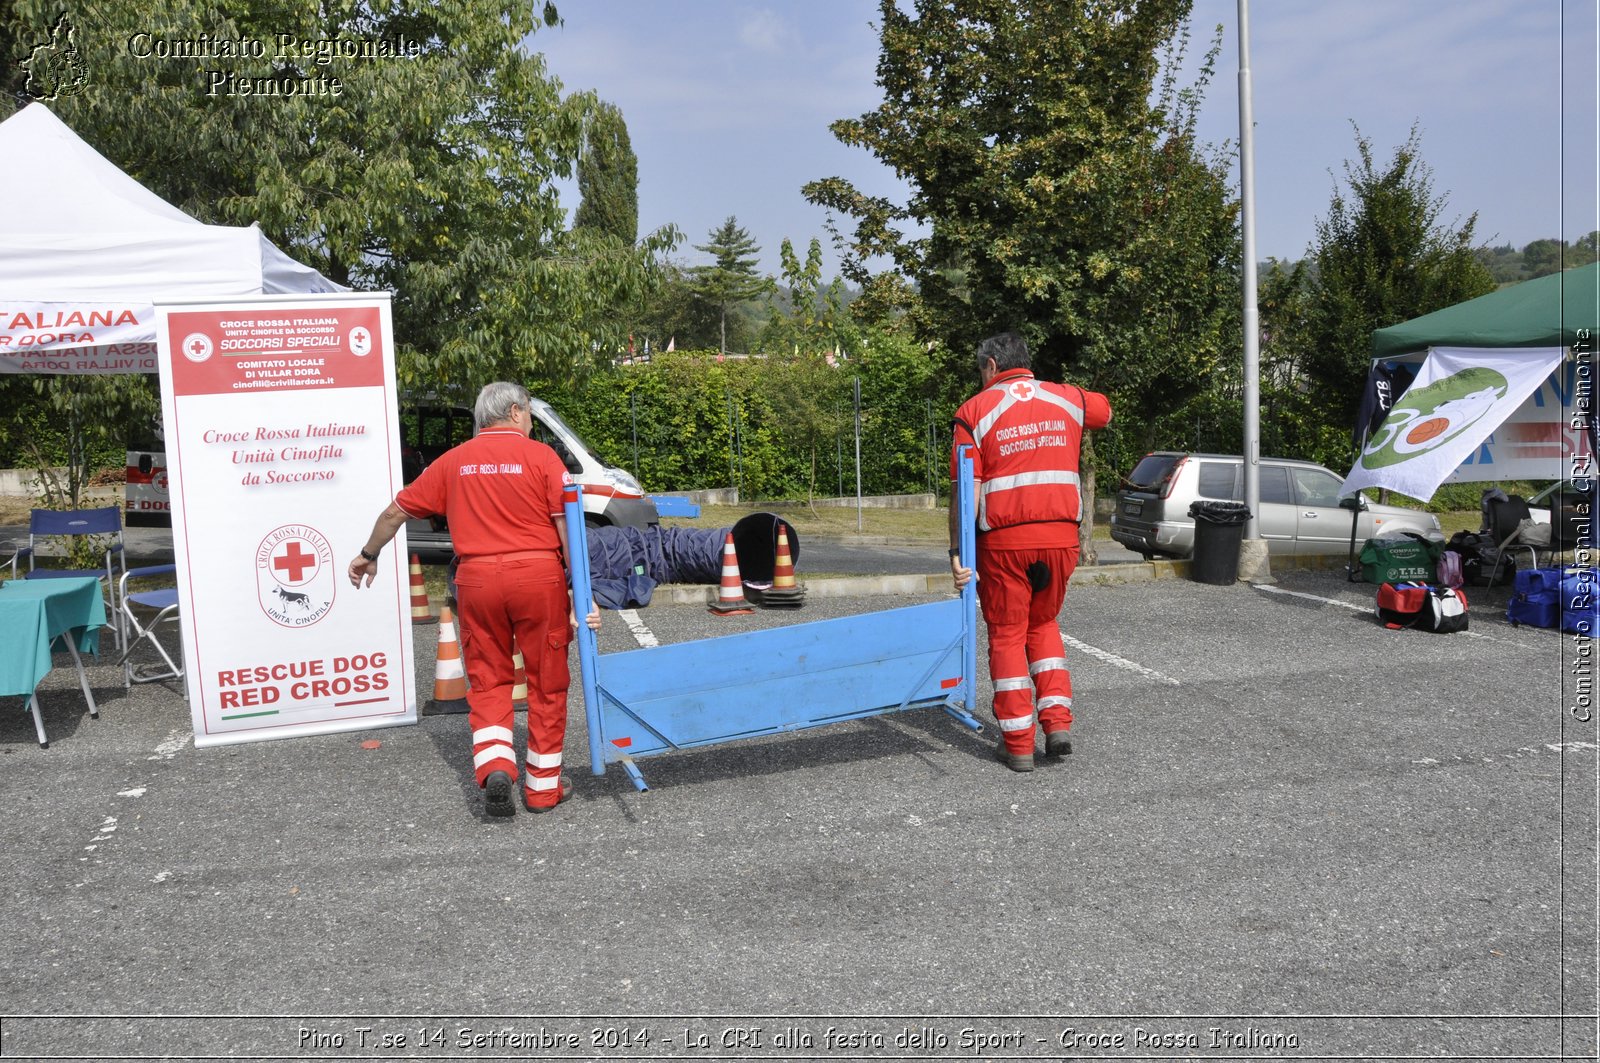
[611, 496]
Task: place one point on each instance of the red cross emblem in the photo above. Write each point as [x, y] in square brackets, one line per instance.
[294, 560]
[1022, 390]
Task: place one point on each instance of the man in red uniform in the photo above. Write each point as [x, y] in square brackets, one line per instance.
[1025, 437]
[501, 494]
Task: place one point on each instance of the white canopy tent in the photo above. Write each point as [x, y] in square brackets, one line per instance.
[85, 250]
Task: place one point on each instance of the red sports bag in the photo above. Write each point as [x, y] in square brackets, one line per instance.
[1422, 606]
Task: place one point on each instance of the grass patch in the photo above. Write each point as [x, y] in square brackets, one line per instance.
[14, 509]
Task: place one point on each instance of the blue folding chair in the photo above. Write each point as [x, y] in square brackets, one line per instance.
[50, 532]
[160, 605]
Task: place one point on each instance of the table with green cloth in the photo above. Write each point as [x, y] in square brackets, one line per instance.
[37, 614]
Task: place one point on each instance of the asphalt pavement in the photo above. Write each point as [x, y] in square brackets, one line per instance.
[1285, 831]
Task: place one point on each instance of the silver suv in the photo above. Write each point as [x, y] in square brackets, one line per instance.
[1300, 510]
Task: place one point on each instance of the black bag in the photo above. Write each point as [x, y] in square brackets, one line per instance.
[1402, 558]
[1423, 606]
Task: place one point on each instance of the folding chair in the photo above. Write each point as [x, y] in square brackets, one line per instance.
[49, 528]
[1505, 529]
[161, 606]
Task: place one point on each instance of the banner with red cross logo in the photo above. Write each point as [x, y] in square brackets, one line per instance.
[282, 446]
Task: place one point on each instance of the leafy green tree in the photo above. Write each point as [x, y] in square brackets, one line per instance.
[804, 316]
[1540, 258]
[1059, 189]
[732, 276]
[608, 177]
[430, 172]
[675, 313]
[1504, 263]
[1383, 256]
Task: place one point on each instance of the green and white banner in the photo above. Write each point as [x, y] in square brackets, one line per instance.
[1460, 396]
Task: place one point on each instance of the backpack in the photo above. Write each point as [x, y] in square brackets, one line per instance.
[1422, 606]
[1449, 572]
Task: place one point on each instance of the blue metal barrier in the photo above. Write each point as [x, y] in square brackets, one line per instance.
[661, 698]
[675, 506]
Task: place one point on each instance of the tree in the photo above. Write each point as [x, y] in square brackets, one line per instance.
[1540, 258]
[1056, 198]
[731, 277]
[608, 177]
[675, 313]
[805, 316]
[1382, 257]
[411, 147]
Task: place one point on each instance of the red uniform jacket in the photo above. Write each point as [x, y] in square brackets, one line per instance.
[1026, 435]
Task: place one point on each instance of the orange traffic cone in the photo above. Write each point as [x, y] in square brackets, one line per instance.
[730, 596]
[421, 610]
[519, 673]
[449, 675]
[784, 593]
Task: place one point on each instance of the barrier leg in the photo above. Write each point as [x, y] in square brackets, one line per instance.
[588, 648]
[969, 593]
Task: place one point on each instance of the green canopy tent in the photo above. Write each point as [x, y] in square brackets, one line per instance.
[1554, 311]
[1468, 418]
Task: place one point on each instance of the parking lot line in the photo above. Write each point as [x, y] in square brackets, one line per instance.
[1117, 662]
[1368, 610]
[641, 634]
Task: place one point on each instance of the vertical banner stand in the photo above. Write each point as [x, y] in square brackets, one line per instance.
[662, 698]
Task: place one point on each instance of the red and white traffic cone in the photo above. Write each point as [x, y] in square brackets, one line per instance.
[421, 608]
[449, 673]
[785, 593]
[730, 595]
[519, 677]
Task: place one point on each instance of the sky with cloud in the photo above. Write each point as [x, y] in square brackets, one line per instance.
[728, 104]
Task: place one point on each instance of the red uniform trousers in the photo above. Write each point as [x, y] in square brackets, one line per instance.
[522, 596]
[1025, 650]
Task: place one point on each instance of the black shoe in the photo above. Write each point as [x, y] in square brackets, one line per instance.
[1014, 761]
[1057, 744]
[497, 794]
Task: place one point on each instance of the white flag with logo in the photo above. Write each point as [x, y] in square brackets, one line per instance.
[1459, 397]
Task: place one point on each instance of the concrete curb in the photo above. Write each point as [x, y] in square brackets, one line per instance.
[939, 582]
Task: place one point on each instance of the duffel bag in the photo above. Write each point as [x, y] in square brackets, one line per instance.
[1422, 606]
[1579, 598]
[1400, 559]
[1536, 597]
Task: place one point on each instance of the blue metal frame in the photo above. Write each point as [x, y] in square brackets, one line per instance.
[661, 698]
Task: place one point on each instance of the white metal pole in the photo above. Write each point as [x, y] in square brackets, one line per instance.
[1252, 327]
[858, 454]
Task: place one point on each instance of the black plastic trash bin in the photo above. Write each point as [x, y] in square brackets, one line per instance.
[1218, 531]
